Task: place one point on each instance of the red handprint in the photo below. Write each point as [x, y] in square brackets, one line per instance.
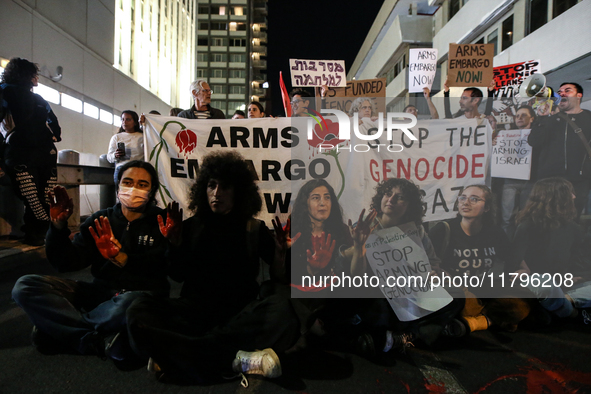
[174, 218]
[283, 236]
[61, 206]
[321, 252]
[104, 239]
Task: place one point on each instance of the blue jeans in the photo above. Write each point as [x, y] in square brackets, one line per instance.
[512, 197]
[70, 311]
[553, 298]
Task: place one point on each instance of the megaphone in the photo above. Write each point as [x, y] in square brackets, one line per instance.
[535, 86]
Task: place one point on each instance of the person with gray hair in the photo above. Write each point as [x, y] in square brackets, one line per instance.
[202, 109]
[364, 106]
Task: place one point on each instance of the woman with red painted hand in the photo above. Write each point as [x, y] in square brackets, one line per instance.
[126, 252]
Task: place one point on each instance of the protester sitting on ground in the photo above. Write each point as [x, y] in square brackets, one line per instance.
[397, 202]
[239, 115]
[217, 323]
[175, 111]
[472, 245]
[202, 109]
[255, 110]
[125, 249]
[28, 155]
[411, 109]
[128, 143]
[318, 233]
[550, 244]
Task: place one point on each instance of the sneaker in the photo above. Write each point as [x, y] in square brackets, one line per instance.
[261, 362]
[454, 329]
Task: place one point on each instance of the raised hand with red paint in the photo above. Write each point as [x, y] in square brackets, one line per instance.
[172, 230]
[321, 252]
[283, 234]
[61, 207]
[108, 246]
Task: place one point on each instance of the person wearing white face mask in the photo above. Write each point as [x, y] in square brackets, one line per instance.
[126, 251]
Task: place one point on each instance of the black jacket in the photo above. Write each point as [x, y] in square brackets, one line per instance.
[141, 240]
[190, 113]
[557, 150]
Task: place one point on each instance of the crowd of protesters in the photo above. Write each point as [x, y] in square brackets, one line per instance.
[228, 320]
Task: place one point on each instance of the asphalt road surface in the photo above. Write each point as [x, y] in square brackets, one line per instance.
[552, 360]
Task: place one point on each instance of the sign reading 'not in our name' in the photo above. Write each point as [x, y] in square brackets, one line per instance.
[470, 64]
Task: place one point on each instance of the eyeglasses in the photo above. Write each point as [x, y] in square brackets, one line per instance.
[296, 101]
[206, 90]
[365, 107]
[471, 199]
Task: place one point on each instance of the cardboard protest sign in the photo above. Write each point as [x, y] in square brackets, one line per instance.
[317, 72]
[511, 156]
[470, 64]
[509, 78]
[397, 257]
[422, 68]
[341, 98]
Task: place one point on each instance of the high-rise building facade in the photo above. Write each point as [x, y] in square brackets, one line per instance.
[232, 51]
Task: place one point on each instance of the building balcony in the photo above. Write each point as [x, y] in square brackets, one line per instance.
[218, 64]
[237, 49]
[238, 18]
[258, 92]
[217, 80]
[238, 1]
[259, 48]
[237, 80]
[218, 96]
[241, 33]
[259, 63]
[404, 30]
[236, 96]
[236, 65]
[219, 17]
[262, 35]
[202, 64]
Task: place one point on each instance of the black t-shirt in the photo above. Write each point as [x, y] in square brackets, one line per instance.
[472, 255]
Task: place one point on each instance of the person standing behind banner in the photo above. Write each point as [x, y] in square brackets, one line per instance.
[30, 156]
[202, 109]
[559, 149]
[128, 143]
[255, 110]
[411, 109]
[300, 102]
[511, 191]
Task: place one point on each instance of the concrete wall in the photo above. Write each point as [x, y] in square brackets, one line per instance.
[77, 35]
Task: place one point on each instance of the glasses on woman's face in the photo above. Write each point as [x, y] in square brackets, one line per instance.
[365, 107]
[472, 199]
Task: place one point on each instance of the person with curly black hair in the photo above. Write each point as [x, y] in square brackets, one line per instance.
[30, 156]
[217, 256]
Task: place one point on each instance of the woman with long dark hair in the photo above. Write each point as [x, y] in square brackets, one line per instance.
[550, 244]
[30, 156]
[128, 143]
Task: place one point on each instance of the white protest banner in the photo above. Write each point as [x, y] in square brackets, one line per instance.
[509, 78]
[446, 157]
[317, 73]
[422, 68]
[175, 146]
[397, 257]
[511, 156]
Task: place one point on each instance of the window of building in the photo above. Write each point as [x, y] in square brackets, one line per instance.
[492, 38]
[219, 89]
[219, 42]
[219, 57]
[559, 6]
[237, 58]
[203, 25]
[454, 7]
[200, 73]
[237, 10]
[202, 57]
[507, 40]
[219, 26]
[237, 89]
[218, 73]
[237, 73]
[221, 105]
[203, 10]
[202, 41]
[538, 14]
[237, 42]
[236, 105]
[218, 10]
[481, 41]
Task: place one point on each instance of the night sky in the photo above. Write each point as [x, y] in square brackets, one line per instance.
[314, 29]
